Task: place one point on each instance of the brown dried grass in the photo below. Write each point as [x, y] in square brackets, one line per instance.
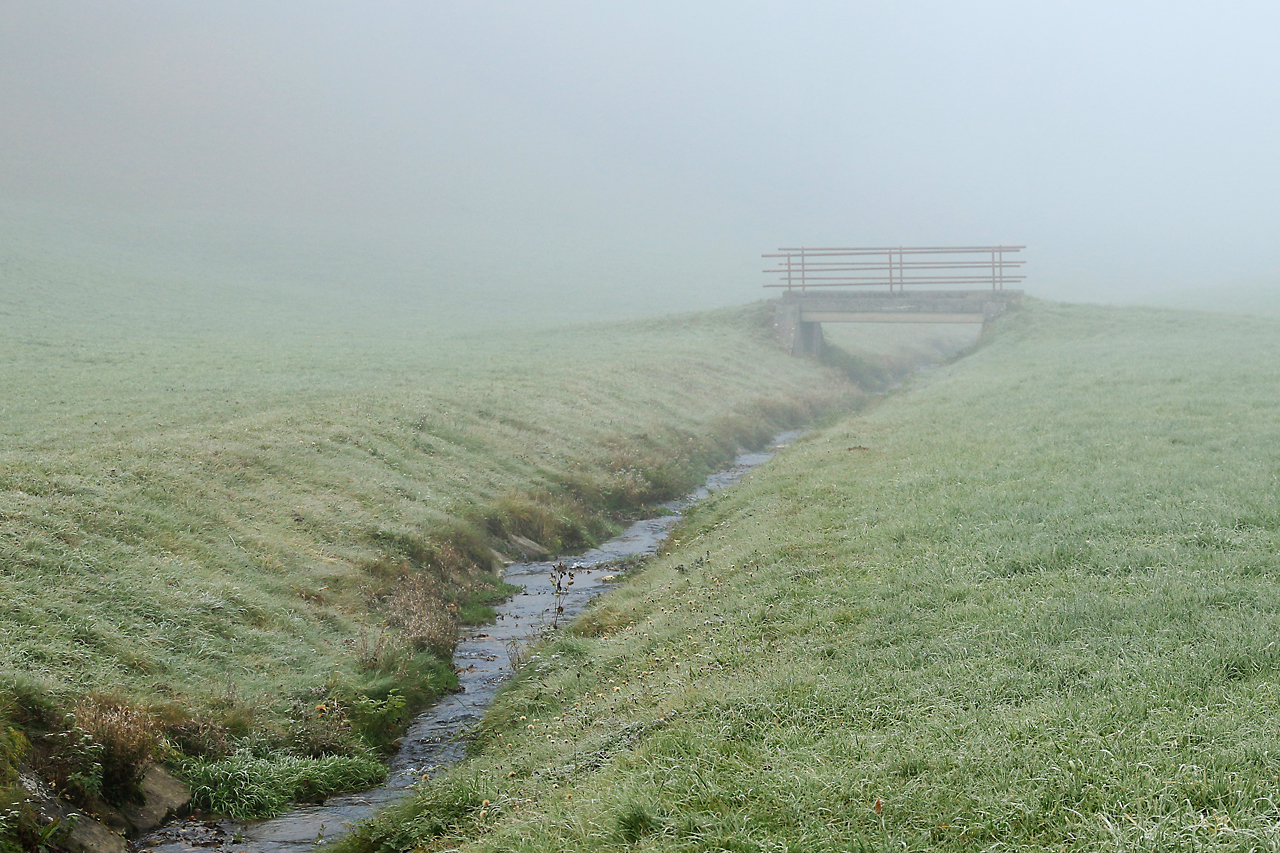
[128, 736]
[425, 619]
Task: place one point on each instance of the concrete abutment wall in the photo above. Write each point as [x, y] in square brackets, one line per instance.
[797, 336]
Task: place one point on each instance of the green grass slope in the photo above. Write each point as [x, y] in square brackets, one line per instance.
[230, 560]
[252, 481]
[1030, 602]
[173, 551]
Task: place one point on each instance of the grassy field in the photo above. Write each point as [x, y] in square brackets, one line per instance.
[166, 548]
[242, 516]
[1031, 601]
[234, 561]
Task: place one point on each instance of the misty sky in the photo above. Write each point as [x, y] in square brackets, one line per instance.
[1132, 146]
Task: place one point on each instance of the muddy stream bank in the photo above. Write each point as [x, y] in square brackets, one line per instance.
[433, 741]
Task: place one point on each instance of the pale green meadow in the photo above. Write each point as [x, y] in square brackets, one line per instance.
[242, 521]
[1029, 601]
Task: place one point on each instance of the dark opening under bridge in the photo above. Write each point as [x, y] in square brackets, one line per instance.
[897, 284]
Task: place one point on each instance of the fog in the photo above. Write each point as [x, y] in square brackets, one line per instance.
[640, 157]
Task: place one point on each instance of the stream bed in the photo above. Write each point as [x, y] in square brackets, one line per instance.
[433, 741]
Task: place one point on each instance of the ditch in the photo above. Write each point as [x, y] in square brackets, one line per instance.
[553, 592]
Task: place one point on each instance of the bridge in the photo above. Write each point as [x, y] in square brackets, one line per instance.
[888, 285]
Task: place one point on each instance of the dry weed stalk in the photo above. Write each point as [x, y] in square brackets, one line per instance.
[426, 621]
[128, 737]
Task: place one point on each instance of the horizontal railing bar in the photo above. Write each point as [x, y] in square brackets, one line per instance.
[881, 260]
[886, 289]
[908, 281]
[894, 282]
[906, 250]
[894, 289]
[905, 265]
[895, 272]
[811, 276]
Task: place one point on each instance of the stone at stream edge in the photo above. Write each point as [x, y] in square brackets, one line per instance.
[106, 831]
[528, 549]
[164, 797]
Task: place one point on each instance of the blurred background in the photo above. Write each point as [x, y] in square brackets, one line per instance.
[595, 160]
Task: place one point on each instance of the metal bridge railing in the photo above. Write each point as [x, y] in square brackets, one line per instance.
[896, 267]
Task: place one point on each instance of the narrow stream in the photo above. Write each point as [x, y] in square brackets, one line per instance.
[432, 741]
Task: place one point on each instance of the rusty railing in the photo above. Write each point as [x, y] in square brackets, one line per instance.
[896, 267]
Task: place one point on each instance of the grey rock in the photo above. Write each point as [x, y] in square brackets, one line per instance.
[78, 832]
[105, 830]
[165, 797]
[89, 836]
[528, 549]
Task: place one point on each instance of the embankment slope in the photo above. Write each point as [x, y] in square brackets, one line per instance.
[220, 545]
[234, 555]
[1031, 602]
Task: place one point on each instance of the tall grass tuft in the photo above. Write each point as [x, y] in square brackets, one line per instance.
[635, 822]
[244, 786]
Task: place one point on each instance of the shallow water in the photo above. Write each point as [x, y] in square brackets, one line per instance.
[432, 740]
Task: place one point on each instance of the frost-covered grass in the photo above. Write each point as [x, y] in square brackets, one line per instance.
[1030, 602]
[214, 550]
[244, 506]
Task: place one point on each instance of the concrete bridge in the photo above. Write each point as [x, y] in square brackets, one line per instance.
[885, 285]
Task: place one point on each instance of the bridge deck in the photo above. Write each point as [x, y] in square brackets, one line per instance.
[798, 315]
